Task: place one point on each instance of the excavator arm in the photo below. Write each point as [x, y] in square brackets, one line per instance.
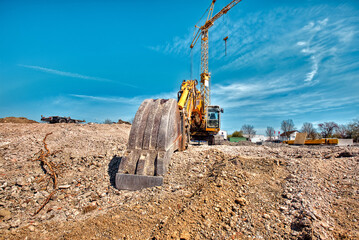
[160, 127]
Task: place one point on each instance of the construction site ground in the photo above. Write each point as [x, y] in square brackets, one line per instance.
[244, 191]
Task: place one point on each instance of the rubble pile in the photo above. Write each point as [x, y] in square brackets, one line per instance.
[210, 192]
[16, 120]
[84, 173]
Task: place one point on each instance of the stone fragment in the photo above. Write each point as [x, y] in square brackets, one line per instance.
[20, 182]
[4, 225]
[31, 228]
[185, 235]
[3, 184]
[15, 223]
[241, 201]
[5, 214]
[174, 235]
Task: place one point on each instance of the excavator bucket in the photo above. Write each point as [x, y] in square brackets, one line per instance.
[155, 134]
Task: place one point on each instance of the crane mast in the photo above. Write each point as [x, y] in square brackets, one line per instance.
[203, 33]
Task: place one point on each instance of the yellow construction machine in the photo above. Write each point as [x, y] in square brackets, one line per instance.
[322, 141]
[162, 126]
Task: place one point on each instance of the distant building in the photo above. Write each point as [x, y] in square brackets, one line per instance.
[223, 133]
[292, 135]
[274, 137]
[256, 138]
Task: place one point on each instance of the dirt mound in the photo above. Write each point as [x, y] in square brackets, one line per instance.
[16, 120]
[210, 192]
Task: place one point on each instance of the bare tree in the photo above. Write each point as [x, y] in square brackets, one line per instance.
[310, 130]
[270, 133]
[353, 130]
[327, 129]
[249, 130]
[108, 121]
[287, 126]
[342, 131]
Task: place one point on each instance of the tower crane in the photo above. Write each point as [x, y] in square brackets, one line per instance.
[162, 126]
[203, 33]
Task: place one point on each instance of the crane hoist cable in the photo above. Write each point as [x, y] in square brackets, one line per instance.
[225, 45]
[226, 37]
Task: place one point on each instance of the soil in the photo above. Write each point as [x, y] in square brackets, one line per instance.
[210, 192]
[16, 120]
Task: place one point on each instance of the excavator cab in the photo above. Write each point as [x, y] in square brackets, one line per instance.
[213, 125]
[213, 118]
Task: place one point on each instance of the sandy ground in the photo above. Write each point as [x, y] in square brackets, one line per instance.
[210, 192]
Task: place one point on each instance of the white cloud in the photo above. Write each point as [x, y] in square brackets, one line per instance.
[299, 64]
[309, 26]
[324, 38]
[256, 91]
[323, 22]
[179, 45]
[62, 73]
[136, 100]
[317, 49]
[70, 74]
[346, 35]
[290, 105]
[314, 71]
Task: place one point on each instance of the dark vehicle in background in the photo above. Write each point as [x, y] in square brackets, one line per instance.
[57, 119]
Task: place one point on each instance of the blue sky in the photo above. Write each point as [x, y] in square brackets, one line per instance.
[98, 60]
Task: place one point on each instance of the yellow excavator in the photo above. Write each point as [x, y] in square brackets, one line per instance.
[162, 126]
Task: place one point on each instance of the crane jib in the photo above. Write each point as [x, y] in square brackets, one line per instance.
[210, 21]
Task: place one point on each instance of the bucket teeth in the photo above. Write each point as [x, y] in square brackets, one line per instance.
[155, 134]
[128, 162]
[146, 163]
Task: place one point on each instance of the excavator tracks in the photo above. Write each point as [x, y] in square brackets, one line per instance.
[155, 134]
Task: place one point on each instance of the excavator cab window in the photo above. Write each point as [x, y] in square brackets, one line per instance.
[213, 117]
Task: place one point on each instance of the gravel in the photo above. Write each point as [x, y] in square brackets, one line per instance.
[210, 192]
